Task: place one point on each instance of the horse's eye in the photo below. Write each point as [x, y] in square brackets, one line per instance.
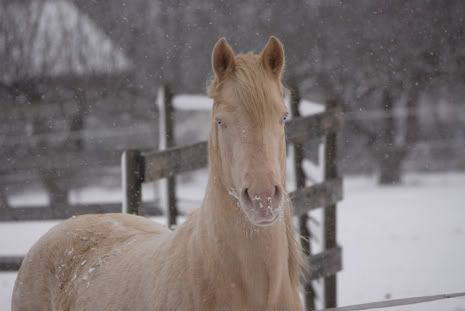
[219, 123]
[284, 118]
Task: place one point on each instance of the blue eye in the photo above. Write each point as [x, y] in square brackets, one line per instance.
[219, 123]
[284, 118]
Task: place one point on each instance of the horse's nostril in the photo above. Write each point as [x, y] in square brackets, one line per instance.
[277, 192]
[246, 195]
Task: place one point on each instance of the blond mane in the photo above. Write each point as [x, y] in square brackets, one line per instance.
[253, 86]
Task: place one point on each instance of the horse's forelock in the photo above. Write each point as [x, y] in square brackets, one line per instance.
[253, 87]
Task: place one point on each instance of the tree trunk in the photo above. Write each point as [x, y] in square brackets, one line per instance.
[3, 199]
[57, 191]
[412, 128]
[390, 156]
[391, 166]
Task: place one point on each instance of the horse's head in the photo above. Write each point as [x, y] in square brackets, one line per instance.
[247, 143]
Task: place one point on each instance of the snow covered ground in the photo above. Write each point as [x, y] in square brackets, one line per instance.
[398, 241]
[403, 241]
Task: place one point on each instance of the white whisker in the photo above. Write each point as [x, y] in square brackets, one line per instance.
[234, 194]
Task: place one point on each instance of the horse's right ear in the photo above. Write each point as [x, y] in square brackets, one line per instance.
[272, 57]
[222, 58]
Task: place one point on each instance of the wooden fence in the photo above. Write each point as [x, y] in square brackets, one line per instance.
[144, 167]
[140, 167]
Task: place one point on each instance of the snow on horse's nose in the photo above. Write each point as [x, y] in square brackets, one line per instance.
[262, 199]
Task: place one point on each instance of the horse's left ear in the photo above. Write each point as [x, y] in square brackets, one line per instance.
[272, 57]
[222, 58]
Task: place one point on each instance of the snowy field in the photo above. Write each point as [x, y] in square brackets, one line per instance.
[403, 241]
[398, 241]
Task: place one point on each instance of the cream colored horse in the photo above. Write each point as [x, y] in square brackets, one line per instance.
[237, 252]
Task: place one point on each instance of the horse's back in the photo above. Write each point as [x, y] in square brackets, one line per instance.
[70, 254]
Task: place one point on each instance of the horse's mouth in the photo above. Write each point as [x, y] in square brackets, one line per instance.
[266, 222]
[261, 218]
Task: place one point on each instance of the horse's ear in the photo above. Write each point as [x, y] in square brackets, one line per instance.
[222, 58]
[272, 57]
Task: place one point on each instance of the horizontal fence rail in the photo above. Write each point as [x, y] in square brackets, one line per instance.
[167, 163]
[35, 213]
[302, 129]
[83, 175]
[170, 162]
[72, 135]
[10, 263]
[52, 160]
[318, 195]
[324, 264]
[396, 302]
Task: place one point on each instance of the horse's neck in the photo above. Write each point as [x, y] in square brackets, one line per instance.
[252, 256]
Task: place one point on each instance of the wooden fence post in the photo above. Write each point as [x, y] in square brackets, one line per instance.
[133, 177]
[309, 295]
[330, 215]
[170, 142]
